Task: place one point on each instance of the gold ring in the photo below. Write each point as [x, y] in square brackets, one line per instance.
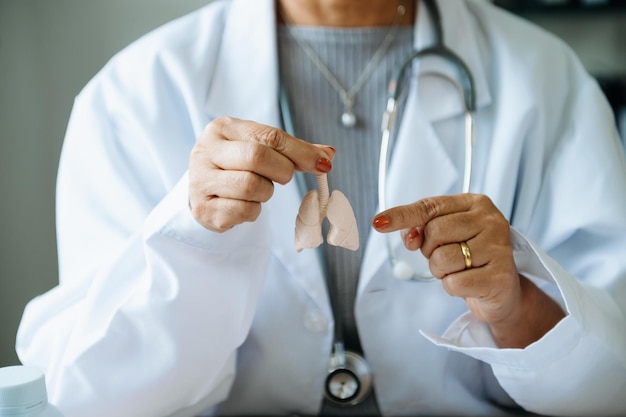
[467, 255]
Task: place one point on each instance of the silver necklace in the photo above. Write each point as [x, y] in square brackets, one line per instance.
[348, 118]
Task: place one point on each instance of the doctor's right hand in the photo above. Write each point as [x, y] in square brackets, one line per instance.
[234, 164]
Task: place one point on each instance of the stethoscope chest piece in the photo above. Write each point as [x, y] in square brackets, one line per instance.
[349, 379]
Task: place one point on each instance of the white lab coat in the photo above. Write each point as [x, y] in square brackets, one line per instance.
[156, 316]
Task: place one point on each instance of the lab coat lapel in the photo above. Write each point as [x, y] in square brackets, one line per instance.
[245, 79]
[420, 166]
[245, 85]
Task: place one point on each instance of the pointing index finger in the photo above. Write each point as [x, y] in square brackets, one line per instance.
[421, 212]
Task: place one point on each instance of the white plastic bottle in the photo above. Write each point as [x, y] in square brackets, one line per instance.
[23, 393]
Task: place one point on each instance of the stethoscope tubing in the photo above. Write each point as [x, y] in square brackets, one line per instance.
[466, 89]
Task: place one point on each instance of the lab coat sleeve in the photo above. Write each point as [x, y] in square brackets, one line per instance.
[576, 255]
[577, 368]
[151, 307]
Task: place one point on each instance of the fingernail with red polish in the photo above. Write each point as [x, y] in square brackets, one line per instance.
[381, 222]
[412, 235]
[324, 165]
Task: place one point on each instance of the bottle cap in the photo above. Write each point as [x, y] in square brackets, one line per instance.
[22, 388]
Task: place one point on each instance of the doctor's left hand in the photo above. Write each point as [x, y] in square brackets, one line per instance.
[483, 273]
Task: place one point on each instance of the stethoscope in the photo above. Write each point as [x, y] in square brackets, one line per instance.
[402, 269]
[349, 380]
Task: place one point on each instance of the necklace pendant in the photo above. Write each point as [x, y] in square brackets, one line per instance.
[348, 119]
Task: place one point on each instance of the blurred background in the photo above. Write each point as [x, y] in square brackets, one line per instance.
[50, 49]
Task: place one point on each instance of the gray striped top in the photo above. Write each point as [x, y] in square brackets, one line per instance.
[316, 110]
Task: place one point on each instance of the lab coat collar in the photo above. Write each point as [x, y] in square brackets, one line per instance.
[248, 59]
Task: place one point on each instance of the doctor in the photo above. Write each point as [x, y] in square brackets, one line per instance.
[181, 292]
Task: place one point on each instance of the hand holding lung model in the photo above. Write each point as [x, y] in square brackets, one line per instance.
[314, 208]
